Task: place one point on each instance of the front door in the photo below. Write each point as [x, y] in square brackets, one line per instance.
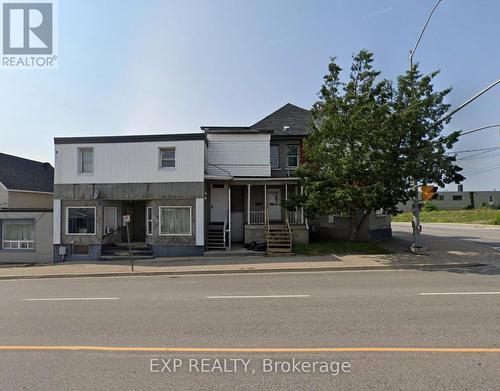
[273, 203]
[217, 204]
[110, 219]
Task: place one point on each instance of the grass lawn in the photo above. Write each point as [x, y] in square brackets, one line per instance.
[322, 248]
[469, 216]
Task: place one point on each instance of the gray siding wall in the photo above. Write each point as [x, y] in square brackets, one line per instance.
[129, 191]
[156, 238]
[283, 170]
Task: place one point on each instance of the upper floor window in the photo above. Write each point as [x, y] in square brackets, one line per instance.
[86, 160]
[292, 155]
[167, 157]
[275, 156]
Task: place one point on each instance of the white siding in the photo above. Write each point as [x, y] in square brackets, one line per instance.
[200, 221]
[131, 162]
[239, 154]
[57, 222]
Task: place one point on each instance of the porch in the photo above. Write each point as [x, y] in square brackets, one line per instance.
[238, 209]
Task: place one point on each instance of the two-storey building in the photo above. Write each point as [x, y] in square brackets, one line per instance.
[250, 170]
[155, 180]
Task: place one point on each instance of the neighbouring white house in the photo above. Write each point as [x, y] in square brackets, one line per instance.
[26, 190]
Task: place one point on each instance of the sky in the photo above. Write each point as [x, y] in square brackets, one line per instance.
[161, 66]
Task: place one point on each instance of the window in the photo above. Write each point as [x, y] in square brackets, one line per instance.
[149, 220]
[175, 220]
[292, 155]
[19, 236]
[167, 157]
[275, 156]
[440, 197]
[456, 198]
[80, 220]
[86, 160]
[490, 198]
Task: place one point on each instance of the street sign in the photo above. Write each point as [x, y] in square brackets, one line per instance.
[126, 219]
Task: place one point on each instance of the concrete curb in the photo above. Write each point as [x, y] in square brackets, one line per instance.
[245, 271]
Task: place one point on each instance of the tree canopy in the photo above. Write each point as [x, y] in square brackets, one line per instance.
[371, 139]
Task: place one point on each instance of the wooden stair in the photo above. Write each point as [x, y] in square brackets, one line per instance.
[279, 239]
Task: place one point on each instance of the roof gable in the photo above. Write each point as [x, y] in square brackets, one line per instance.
[289, 120]
[17, 173]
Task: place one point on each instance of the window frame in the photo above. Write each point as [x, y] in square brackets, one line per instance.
[160, 158]
[174, 207]
[81, 207]
[81, 150]
[296, 155]
[149, 220]
[457, 198]
[19, 222]
[278, 167]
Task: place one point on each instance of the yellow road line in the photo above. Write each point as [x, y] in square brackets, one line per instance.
[245, 350]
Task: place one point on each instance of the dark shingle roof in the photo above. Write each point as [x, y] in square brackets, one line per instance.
[289, 120]
[17, 173]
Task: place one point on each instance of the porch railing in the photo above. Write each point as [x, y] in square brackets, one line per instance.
[294, 217]
[256, 217]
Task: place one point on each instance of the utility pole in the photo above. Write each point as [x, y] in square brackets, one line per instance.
[416, 246]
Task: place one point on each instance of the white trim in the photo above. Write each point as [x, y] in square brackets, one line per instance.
[149, 232]
[266, 179]
[28, 191]
[176, 206]
[165, 148]
[200, 221]
[56, 233]
[81, 207]
[79, 161]
[3, 186]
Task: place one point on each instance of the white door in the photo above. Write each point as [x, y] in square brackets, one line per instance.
[110, 219]
[217, 204]
[273, 203]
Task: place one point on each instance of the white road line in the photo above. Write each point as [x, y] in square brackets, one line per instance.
[457, 293]
[259, 297]
[72, 298]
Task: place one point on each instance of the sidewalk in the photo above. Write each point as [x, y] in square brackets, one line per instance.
[252, 264]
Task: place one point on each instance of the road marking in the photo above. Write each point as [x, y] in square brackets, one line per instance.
[247, 350]
[457, 293]
[259, 297]
[72, 298]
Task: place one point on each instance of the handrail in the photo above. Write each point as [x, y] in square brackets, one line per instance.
[224, 229]
[113, 232]
[289, 229]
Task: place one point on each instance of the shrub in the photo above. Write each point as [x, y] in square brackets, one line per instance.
[497, 220]
[429, 207]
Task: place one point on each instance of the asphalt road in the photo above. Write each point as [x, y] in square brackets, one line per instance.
[395, 309]
[485, 236]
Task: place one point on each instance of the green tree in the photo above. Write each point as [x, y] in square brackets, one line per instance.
[368, 140]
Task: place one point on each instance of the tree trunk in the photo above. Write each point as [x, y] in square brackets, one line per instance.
[355, 225]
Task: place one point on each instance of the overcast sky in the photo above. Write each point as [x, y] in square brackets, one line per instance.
[158, 66]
